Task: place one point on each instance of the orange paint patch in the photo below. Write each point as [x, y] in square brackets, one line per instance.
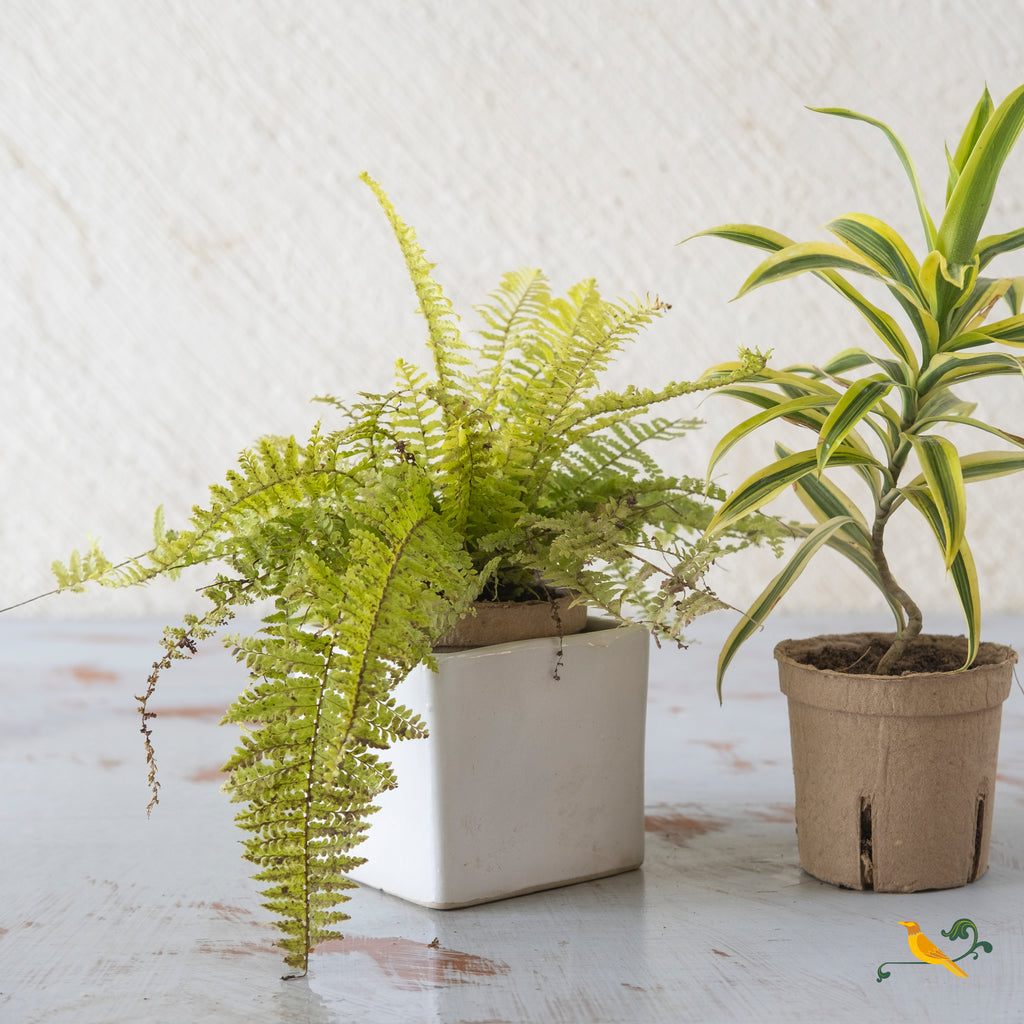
[91, 676]
[239, 948]
[678, 828]
[224, 911]
[726, 749]
[418, 965]
[780, 813]
[198, 711]
[213, 774]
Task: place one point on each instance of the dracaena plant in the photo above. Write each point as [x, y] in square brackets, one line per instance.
[880, 413]
[505, 467]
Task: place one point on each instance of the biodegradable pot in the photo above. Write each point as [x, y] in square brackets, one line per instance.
[895, 775]
[498, 622]
[532, 776]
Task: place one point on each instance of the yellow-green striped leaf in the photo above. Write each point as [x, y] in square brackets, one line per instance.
[975, 467]
[772, 241]
[858, 401]
[927, 423]
[986, 293]
[761, 487]
[1015, 294]
[792, 385]
[880, 322]
[746, 234]
[882, 246]
[1007, 332]
[940, 404]
[949, 368]
[773, 593]
[824, 500]
[806, 411]
[969, 203]
[991, 246]
[940, 465]
[898, 372]
[804, 257]
[904, 157]
[848, 359]
[965, 580]
[969, 138]
[962, 571]
[945, 287]
[926, 327]
[989, 465]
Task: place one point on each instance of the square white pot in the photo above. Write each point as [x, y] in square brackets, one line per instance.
[526, 782]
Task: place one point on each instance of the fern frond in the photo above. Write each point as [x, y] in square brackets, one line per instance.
[611, 460]
[611, 407]
[275, 476]
[519, 301]
[309, 772]
[81, 569]
[444, 339]
[418, 423]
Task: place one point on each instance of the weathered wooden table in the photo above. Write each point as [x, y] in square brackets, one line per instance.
[108, 917]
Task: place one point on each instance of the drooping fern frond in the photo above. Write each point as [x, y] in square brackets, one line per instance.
[310, 772]
[271, 478]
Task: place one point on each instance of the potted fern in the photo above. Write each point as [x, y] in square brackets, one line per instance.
[504, 474]
[894, 736]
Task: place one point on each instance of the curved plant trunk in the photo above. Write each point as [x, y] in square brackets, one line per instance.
[912, 628]
[894, 776]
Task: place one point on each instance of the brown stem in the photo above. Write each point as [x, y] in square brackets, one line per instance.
[914, 618]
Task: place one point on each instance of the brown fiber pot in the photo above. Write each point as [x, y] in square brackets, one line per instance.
[501, 622]
[895, 775]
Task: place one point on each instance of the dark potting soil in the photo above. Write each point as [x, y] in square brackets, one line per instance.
[859, 654]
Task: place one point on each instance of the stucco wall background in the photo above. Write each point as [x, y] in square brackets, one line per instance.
[187, 255]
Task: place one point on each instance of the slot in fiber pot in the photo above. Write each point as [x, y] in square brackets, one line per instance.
[894, 775]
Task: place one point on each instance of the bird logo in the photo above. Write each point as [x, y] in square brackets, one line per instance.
[926, 952]
[924, 949]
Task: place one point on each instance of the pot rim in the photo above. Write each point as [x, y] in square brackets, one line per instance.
[491, 623]
[917, 694]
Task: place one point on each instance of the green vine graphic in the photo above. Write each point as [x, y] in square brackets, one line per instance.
[961, 929]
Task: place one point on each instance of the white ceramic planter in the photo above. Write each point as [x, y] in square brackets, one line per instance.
[526, 782]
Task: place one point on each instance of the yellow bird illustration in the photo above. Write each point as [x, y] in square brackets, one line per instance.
[924, 949]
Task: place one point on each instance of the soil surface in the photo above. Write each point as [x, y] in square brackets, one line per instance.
[859, 653]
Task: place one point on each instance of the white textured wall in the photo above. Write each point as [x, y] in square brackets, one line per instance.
[186, 254]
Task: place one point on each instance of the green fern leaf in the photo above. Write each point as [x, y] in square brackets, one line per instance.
[309, 772]
[444, 338]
